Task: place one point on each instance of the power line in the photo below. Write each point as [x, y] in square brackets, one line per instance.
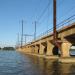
[68, 11]
[44, 11]
[67, 20]
[26, 35]
[58, 26]
[36, 8]
[35, 32]
[60, 3]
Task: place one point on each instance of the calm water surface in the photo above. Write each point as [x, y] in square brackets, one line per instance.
[14, 63]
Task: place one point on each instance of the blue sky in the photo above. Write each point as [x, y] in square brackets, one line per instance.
[13, 11]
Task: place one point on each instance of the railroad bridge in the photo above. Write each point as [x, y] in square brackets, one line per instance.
[44, 47]
[57, 43]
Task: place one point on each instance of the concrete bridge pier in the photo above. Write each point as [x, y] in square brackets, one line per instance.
[65, 49]
[49, 54]
[41, 50]
[36, 49]
[65, 53]
[29, 50]
[49, 48]
[33, 49]
[26, 49]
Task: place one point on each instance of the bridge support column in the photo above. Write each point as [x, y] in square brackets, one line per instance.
[26, 49]
[49, 54]
[36, 49]
[33, 49]
[41, 51]
[65, 56]
[65, 47]
[49, 48]
[29, 50]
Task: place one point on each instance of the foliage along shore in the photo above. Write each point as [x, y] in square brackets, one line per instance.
[7, 48]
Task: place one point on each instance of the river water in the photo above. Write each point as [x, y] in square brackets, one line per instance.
[15, 63]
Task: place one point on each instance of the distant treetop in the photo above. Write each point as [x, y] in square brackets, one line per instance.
[8, 48]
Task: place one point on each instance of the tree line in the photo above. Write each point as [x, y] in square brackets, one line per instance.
[7, 48]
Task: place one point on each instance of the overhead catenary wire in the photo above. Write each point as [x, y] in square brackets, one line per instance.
[67, 11]
[45, 10]
[39, 18]
[68, 20]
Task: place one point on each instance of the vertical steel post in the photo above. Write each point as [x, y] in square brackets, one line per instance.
[18, 39]
[22, 35]
[25, 39]
[54, 26]
[54, 21]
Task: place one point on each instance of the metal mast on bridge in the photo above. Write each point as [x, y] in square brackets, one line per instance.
[56, 41]
[22, 35]
[26, 36]
[54, 21]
